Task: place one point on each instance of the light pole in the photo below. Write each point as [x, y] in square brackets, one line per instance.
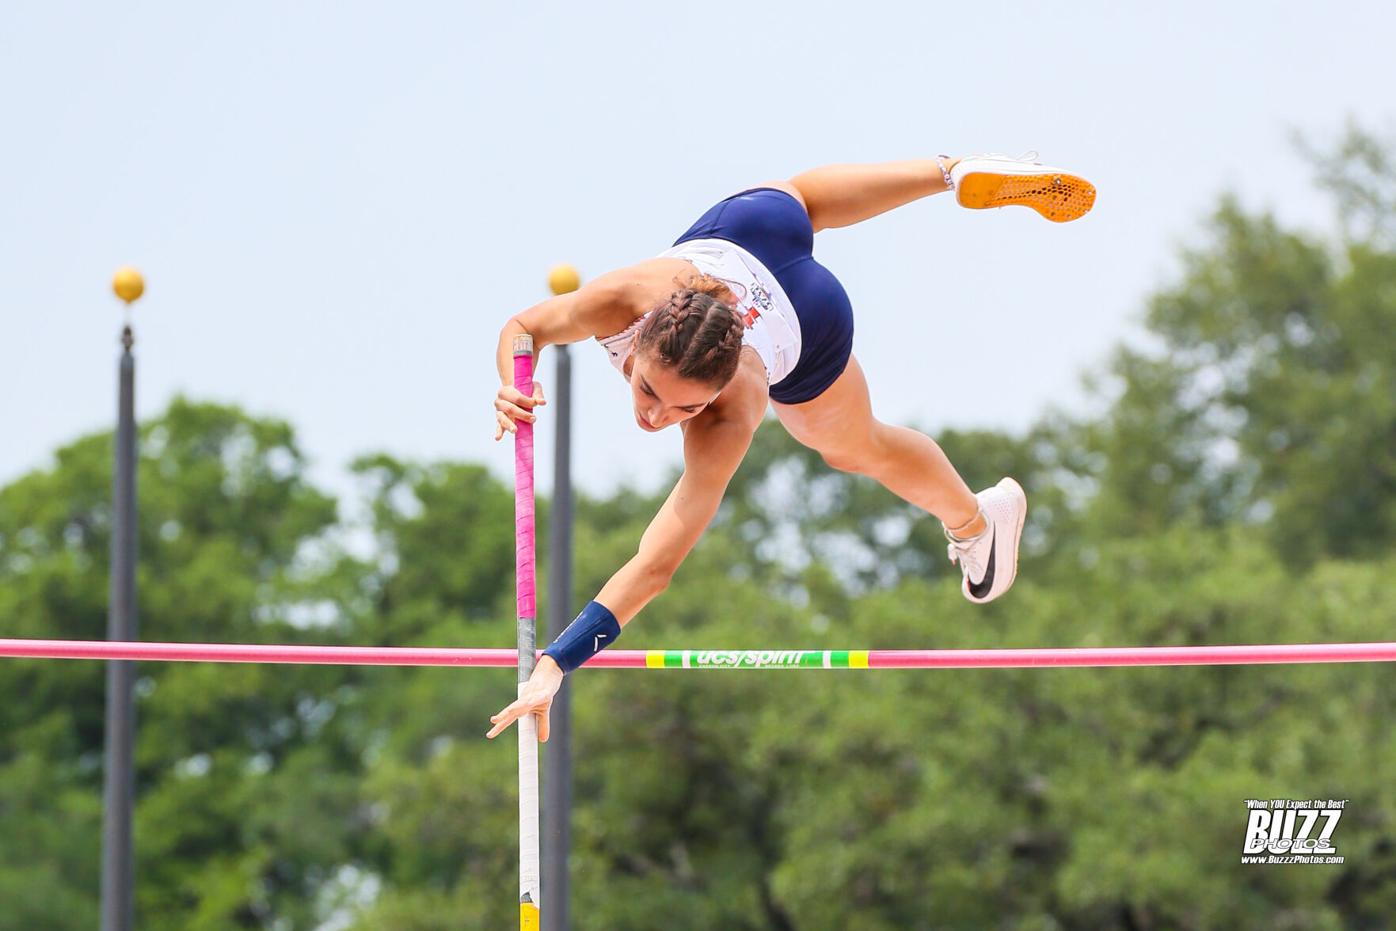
[118, 791]
[557, 763]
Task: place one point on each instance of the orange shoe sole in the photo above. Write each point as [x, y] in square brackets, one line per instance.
[1058, 197]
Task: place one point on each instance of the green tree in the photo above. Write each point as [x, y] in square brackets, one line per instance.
[1238, 487]
[1273, 396]
[235, 545]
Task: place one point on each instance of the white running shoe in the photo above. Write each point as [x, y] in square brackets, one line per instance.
[990, 561]
[982, 181]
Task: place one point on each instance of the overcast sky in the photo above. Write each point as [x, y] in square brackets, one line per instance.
[337, 205]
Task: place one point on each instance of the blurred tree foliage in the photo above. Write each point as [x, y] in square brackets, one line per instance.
[1239, 486]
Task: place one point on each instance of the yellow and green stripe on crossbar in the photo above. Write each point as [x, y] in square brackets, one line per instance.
[756, 659]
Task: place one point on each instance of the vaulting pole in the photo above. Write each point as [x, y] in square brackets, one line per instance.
[530, 897]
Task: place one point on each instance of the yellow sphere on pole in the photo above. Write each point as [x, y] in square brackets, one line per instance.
[564, 279]
[128, 284]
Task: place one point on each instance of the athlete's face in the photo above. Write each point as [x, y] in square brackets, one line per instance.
[662, 398]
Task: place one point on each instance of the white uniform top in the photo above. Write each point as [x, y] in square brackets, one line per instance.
[772, 328]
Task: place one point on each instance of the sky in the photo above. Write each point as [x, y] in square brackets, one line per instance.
[336, 206]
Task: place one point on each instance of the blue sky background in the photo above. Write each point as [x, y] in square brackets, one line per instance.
[337, 205]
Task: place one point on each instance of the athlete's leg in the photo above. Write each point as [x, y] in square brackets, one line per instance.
[841, 195]
[840, 425]
[984, 529]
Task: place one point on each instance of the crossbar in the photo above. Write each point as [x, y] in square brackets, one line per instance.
[1238, 655]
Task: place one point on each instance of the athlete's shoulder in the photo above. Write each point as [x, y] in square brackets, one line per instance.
[609, 303]
[647, 282]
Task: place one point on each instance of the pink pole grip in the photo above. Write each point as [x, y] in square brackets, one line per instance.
[523, 486]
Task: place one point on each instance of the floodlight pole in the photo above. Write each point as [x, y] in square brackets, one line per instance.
[557, 761]
[118, 789]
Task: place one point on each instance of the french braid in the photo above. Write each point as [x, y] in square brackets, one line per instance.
[697, 335]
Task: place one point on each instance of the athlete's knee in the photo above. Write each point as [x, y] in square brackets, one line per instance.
[865, 453]
[858, 457]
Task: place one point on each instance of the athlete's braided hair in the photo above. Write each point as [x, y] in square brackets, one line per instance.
[696, 334]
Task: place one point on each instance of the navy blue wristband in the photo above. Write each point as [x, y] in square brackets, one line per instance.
[594, 630]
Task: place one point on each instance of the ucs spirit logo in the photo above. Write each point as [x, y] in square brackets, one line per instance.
[1292, 826]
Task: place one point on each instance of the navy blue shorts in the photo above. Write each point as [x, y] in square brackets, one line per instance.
[772, 226]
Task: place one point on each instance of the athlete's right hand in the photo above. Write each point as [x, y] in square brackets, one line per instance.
[511, 404]
[535, 698]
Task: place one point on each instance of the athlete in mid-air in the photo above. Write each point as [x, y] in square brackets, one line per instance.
[738, 315]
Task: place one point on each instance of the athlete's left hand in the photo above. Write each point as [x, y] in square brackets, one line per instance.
[536, 697]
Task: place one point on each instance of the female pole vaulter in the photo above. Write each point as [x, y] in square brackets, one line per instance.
[739, 315]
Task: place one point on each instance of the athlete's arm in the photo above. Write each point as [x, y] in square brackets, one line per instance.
[560, 319]
[714, 443]
[601, 307]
